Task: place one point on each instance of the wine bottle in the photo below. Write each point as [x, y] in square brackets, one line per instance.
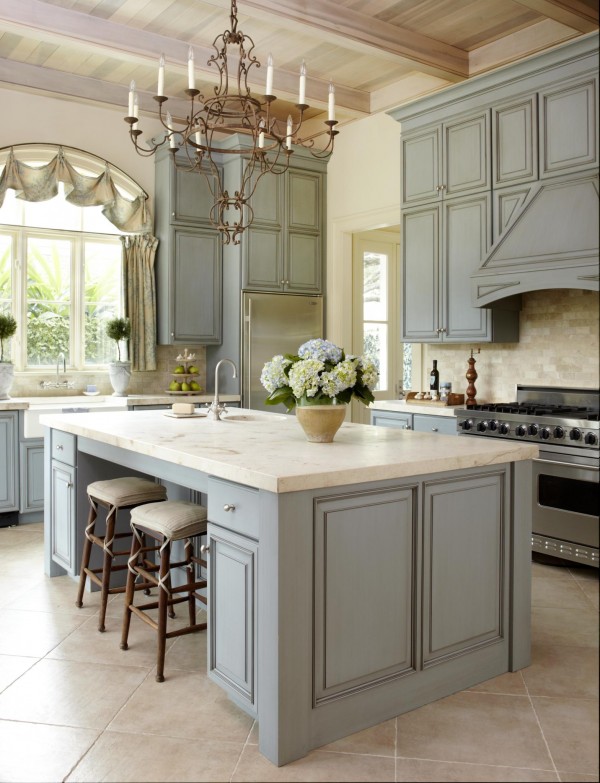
[434, 378]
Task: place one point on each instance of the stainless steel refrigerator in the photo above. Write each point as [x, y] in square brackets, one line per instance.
[274, 324]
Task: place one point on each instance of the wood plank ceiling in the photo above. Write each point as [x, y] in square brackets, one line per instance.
[379, 53]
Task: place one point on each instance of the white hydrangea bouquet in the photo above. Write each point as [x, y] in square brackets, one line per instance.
[320, 374]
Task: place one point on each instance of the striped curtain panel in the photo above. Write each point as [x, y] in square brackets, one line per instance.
[139, 252]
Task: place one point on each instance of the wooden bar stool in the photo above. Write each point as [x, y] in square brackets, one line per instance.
[173, 520]
[115, 495]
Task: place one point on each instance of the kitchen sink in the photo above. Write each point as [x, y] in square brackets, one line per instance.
[39, 406]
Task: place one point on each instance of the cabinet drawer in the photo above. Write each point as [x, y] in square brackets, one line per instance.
[442, 425]
[233, 506]
[63, 447]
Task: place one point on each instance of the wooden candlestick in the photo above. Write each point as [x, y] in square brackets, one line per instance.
[471, 376]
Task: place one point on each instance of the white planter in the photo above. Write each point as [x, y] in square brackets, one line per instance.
[7, 371]
[120, 375]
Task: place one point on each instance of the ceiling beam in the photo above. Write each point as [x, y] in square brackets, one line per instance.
[572, 13]
[61, 25]
[351, 29]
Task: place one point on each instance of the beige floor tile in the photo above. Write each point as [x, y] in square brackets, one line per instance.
[56, 595]
[573, 777]
[570, 727]
[135, 757]
[552, 626]
[419, 771]
[557, 593]
[377, 740]
[479, 728]
[562, 671]
[12, 667]
[69, 693]
[35, 633]
[186, 704]
[13, 587]
[188, 652]
[585, 574]
[35, 752]
[549, 571]
[510, 683]
[317, 766]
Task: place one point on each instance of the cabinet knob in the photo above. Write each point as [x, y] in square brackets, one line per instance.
[68, 484]
[205, 548]
[434, 429]
[228, 507]
[59, 447]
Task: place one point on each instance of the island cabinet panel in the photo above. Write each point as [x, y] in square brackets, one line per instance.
[400, 421]
[32, 476]
[9, 474]
[232, 614]
[354, 603]
[464, 560]
[63, 515]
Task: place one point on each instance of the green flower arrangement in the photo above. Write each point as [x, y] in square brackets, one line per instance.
[319, 374]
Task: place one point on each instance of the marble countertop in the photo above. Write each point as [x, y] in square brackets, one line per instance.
[401, 406]
[269, 450]
[22, 403]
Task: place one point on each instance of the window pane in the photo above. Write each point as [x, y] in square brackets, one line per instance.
[376, 348]
[407, 366]
[94, 222]
[48, 300]
[11, 210]
[5, 278]
[102, 264]
[375, 291]
[55, 213]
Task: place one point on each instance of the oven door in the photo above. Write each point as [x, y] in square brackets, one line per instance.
[567, 505]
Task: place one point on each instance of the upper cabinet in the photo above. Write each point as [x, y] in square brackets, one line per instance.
[448, 159]
[189, 256]
[283, 249]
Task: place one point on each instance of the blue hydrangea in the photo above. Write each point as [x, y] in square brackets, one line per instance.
[320, 350]
[273, 373]
[304, 377]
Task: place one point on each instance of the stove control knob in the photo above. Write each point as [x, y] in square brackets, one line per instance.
[504, 428]
[575, 434]
[466, 424]
[559, 432]
[591, 439]
[521, 430]
[545, 433]
[493, 425]
[533, 429]
[482, 426]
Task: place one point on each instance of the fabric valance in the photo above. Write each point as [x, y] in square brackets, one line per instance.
[40, 183]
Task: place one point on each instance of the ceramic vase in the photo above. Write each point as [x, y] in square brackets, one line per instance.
[120, 375]
[7, 372]
[320, 422]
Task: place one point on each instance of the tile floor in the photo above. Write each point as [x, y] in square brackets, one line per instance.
[74, 707]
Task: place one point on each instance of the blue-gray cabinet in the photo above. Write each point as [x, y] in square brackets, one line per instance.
[419, 422]
[189, 255]
[9, 464]
[63, 500]
[31, 482]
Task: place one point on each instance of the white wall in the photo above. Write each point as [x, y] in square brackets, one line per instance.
[29, 118]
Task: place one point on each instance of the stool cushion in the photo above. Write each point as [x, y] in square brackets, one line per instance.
[126, 491]
[175, 519]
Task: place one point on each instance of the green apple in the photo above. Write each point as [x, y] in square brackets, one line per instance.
[179, 369]
[174, 386]
[185, 386]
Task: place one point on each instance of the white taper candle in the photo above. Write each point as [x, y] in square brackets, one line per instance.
[302, 90]
[160, 90]
[269, 87]
[331, 103]
[191, 78]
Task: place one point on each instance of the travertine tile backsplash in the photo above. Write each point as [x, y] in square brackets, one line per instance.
[559, 346]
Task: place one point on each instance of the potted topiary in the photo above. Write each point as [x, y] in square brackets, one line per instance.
[119, 329]
[8, 326]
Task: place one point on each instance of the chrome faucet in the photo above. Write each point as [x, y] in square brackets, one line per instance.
[64, 361]
[216, 407]
[58, 384]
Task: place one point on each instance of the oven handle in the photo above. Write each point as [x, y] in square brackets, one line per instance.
[568, 464]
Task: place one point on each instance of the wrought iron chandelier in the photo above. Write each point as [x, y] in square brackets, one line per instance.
[232, 110]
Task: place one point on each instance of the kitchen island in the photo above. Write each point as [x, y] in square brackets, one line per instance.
[348, 582]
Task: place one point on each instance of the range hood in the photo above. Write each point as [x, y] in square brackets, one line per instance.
[550, 240]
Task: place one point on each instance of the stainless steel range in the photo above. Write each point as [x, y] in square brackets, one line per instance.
[565, 423]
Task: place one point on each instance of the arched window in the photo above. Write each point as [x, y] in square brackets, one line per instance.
[61, 262]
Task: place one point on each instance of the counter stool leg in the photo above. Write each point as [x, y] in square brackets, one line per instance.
[163, 605]
[129, 590]
[85, 558]
[107, 565]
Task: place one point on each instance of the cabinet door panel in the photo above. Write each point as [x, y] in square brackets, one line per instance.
[263, 263]
[304, 201]
[32, 477]
[304, 263]
[192, 200]
[63, 515]
[421, 168]
[464, 606]
[9, 475]
[266, 200]
[196, 303]
[466, 240]
[514, 135]
[420, 251]
[466, 155]
[444, 425]
[232, 607]
[364, 589]
[399, 421]
[568, 127]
